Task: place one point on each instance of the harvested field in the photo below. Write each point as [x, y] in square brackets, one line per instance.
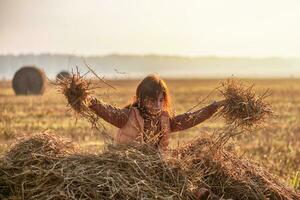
[275, 147]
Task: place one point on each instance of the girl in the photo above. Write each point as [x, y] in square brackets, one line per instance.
[148, 119]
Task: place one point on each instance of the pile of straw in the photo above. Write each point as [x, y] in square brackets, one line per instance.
[128, 172]
[228, 175]
[39, 146]
[243, 107]
[118, 173]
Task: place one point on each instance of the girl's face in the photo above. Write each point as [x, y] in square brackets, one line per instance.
[154, 106]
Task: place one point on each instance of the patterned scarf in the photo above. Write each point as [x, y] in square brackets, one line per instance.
[152, 127]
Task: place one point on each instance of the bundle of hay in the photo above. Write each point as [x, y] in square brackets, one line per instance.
[78, 90]
[63, 75]
[138, 172]
[29, 81]
[243, 107]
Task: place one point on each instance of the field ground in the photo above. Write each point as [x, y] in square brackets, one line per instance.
[277, 146]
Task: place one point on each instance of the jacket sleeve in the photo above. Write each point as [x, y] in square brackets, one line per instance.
[190, 119]
[111, 114]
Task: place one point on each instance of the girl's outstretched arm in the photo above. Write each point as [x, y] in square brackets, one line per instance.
[190, 119]
[111, 114]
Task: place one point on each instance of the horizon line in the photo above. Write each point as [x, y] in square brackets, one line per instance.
[148, 55]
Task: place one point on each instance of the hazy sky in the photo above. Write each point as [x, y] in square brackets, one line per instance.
[183, 27]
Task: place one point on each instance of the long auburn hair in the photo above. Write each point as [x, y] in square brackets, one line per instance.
[151, 87]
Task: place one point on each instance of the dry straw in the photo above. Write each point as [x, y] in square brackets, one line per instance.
[141, 172]
[228, 175]
[119, 172]
[243, 107]
[77, 89]
[128, 172]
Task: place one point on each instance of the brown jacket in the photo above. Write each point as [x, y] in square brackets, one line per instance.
[134, 128]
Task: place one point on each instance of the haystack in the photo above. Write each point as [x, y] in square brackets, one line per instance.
[63, 75]
[120, 172]
[133, 172]
[228, 175]
[29, 81]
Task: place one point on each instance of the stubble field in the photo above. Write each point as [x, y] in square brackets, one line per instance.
[276, 146]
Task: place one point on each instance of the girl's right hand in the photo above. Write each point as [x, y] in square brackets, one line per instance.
[91, 100]
[220, 103]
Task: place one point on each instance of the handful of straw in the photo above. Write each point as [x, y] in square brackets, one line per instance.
[243, 108]
[76, 90]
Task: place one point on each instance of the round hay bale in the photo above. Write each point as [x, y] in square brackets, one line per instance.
[63, 75]
[29, 80]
